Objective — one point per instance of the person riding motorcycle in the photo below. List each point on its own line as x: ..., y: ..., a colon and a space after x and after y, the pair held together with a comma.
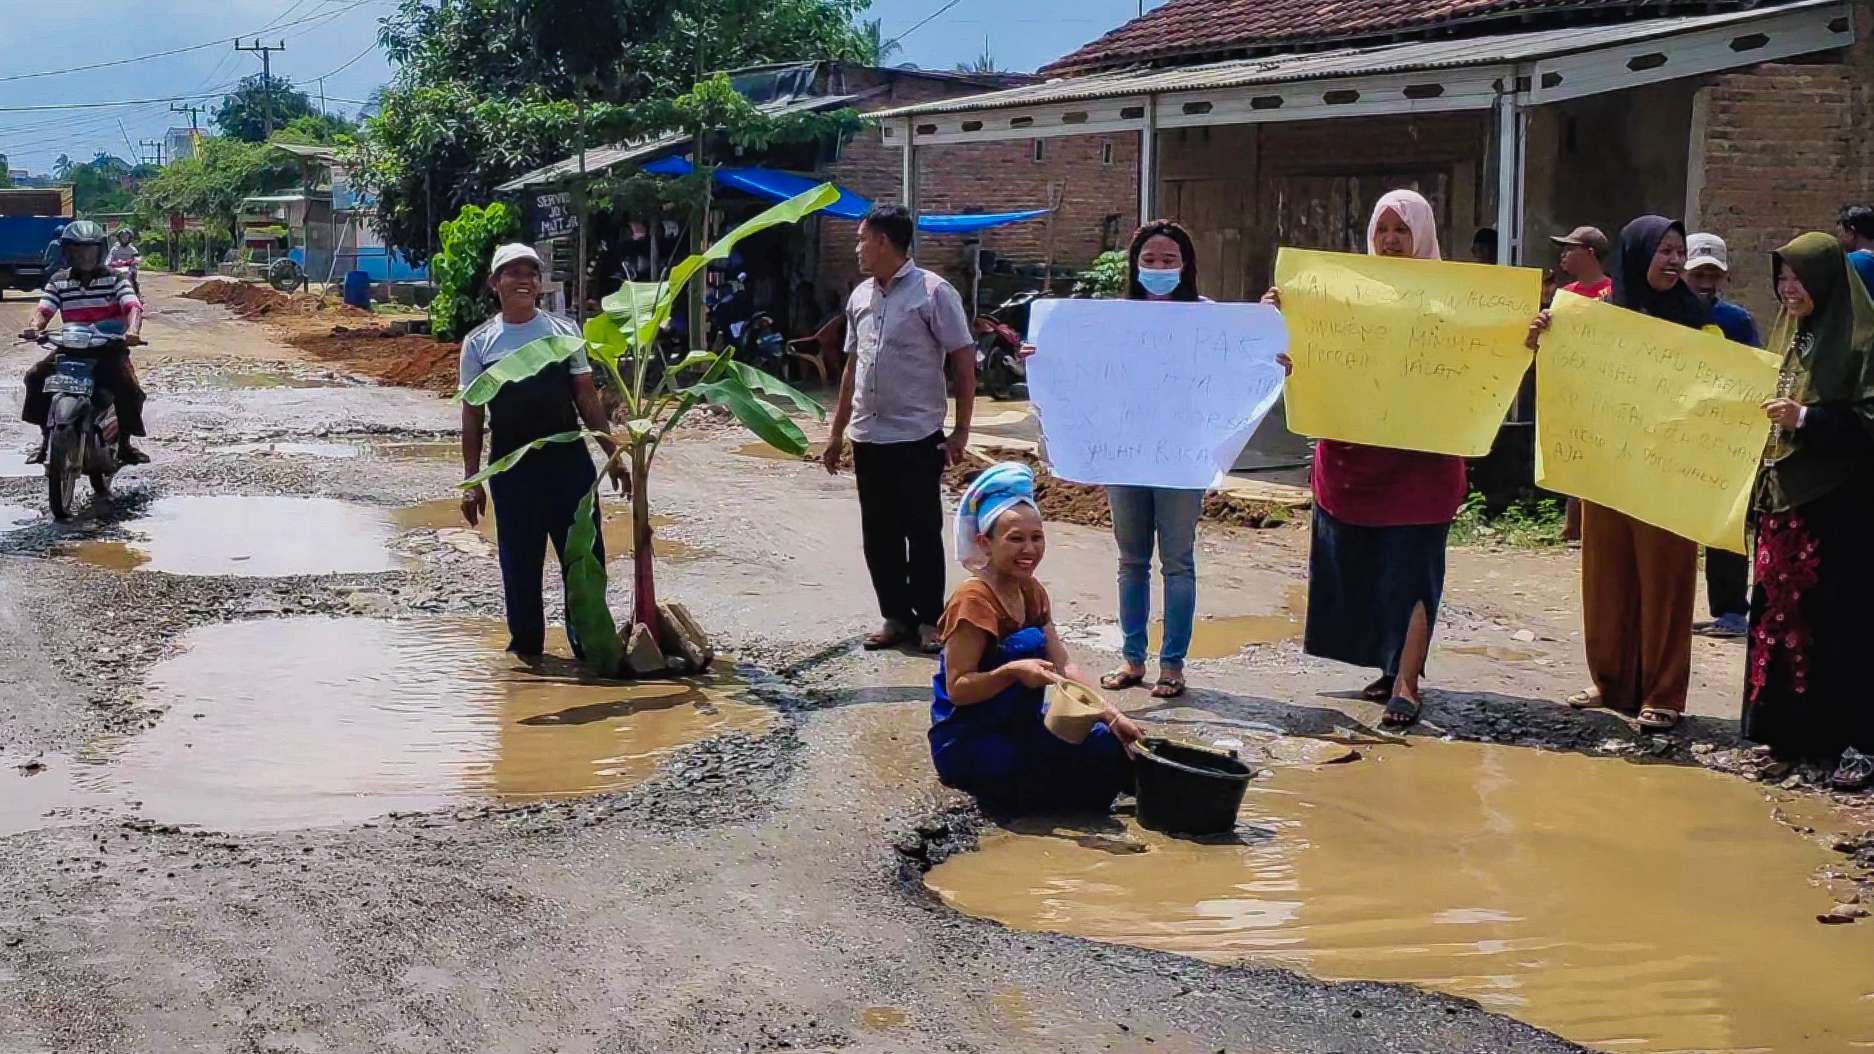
x: 89, y: 293
x: 125, y: 256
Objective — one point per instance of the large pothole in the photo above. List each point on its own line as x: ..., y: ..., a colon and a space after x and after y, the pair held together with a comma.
x: 1627, y: 907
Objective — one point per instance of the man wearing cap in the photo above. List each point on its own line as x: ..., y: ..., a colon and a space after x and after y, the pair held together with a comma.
x: 535, y: 500
x: 1727, y: 575
x: 1854, y: 228
x: 1583, y: 249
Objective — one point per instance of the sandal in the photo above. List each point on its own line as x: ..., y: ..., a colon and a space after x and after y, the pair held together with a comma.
x: 1168, y: 687
x: 1120, y: 680
x: 1854, y: 773
x: 892, y: 635
x: 1401, y: 713
x: 1380, y: 690
x: 1658, y: 719
x: 1588, y: 700
x: 929, y: 640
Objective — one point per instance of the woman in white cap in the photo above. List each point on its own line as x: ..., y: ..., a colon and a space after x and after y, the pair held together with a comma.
x: 1000, y: 654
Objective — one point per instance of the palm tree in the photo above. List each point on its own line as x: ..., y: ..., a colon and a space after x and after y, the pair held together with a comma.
x: 62, y: 168
x: 983, y: 63
x: 876, y: 48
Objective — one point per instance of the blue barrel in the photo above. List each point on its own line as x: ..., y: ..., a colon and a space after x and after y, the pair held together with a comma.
x: 358, y: 289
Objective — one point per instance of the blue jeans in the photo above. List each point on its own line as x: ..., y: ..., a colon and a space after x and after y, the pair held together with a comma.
x: 1171, y: 514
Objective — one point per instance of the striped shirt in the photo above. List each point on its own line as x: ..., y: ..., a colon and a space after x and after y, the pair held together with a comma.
x: 102, y: 300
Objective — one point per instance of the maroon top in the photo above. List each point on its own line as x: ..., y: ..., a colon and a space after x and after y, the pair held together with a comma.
x: 1376, y: 486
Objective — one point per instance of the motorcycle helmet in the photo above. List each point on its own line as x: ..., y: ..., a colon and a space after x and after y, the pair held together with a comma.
x: 82, y: 232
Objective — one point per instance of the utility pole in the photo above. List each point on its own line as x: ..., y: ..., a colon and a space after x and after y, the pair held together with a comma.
x: 152, y: 152
x: 265, y: 51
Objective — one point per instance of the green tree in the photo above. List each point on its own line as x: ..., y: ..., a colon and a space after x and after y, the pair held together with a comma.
x: 210, y: 184
x: 317, y: 129
x: 487, y: 89
x: 62, y: 168
x: 875, y: 48
x: 6, y: 179
x: 983, y: 63
x: 460, y: 270
x: 242, y: 113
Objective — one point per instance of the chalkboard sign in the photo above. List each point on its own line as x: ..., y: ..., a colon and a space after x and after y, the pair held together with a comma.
x: 552, y: 214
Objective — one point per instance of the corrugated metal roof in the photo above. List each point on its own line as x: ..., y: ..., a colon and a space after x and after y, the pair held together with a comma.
x: 1499, y: 49
x: 599, y: 159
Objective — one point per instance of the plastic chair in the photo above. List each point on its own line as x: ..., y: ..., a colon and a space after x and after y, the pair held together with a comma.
x: 823, y: 350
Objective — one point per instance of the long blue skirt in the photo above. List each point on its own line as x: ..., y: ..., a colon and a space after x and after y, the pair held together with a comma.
x: 999, y: 750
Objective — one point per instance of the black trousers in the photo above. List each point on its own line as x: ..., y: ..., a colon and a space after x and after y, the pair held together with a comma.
x: 113, y: 373
x: 534, y: 503
x: 901, y: 514
x: 1727, y: 582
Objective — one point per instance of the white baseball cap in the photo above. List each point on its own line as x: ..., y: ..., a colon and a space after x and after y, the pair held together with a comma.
x: 1707, y: 250
x: 512, y: 252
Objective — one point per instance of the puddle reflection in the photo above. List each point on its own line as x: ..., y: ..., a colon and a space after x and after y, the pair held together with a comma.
x: 249, y: 537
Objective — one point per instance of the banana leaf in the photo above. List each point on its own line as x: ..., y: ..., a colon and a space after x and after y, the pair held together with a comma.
x: 514, y: 458
x: 530, y: 359
x: 762, y: 418
x: 768, y: 384
x: 589, y: 618
x: 604, y: 340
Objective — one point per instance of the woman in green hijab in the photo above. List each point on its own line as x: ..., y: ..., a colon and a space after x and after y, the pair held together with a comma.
x: 1806, y: 694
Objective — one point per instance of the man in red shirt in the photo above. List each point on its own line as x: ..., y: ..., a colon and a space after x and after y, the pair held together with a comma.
x: 1583, y: 249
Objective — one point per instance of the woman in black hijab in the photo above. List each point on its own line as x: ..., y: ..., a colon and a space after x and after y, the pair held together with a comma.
x: 1806, y: 690
x: 1639, y: 583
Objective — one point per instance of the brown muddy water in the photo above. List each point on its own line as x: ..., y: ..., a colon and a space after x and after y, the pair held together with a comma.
x: 38, y: 791
x: 329, y: 451
x: 1626, y: 907
x: 303, y: 722
x: 1222, y: 637
x: 1498, y: 652
x: 767, y: 453
x: 614, y: 527
x: 249, y: 536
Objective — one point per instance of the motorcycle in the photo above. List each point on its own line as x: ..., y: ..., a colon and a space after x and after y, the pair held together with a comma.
x: 760, y: 343
x: 1000, y: 372
x: 82, y: 419
x: 127, y: 268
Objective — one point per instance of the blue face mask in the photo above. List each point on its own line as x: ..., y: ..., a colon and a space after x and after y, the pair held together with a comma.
x: 1160, y: 283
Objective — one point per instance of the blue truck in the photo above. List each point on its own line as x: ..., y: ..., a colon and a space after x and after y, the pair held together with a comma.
x: 29, y: 220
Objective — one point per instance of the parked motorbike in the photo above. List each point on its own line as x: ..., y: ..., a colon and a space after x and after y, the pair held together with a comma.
x: 761, y: 344
x: 1000, y: 372
x: 82, y: 418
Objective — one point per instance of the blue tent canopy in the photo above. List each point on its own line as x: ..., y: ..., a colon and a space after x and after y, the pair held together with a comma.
x: 780, y: 186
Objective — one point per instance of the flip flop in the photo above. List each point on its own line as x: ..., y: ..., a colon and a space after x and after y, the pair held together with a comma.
x: 1401, y: 713
x: 1658, y: 719
x: 1588, y: 700
x: 929, y: 641
x: 1120, y: 680
x: 1380, y: 690
x: 890, y: 637
x: 1168, y: 688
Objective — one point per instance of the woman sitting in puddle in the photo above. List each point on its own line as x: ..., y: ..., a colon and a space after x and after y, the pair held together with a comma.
x: 1000, y: 652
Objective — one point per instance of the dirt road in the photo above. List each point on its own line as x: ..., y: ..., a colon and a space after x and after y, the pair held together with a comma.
x: 759, y: 891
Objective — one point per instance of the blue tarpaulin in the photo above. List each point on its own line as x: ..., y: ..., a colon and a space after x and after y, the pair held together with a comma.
x: 780, y: 186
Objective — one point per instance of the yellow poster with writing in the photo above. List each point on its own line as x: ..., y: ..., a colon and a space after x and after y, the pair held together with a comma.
x: 1404, y: 353
x: 1661, y: 422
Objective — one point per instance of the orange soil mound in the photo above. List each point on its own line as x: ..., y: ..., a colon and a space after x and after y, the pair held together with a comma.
x: 304, y: 321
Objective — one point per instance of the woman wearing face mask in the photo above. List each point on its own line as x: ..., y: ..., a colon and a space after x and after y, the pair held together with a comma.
x: 1376, y: 564
x: 1000, y: 653
x: 1639, y: 584
x: 1805, y: 691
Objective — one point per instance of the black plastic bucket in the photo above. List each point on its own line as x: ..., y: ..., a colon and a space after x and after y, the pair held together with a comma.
x: 1188, y: 789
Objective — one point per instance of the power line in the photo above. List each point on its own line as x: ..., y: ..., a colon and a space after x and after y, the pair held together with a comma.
x: 56, y: 106
x: 926, y: 20
x: 348, y: 62
x: 328, y: 16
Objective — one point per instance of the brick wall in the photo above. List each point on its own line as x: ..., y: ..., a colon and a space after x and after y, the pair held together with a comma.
x: 1778, y: 149
x: 989, y: 177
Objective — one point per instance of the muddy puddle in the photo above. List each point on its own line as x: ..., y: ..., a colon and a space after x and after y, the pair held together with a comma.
x: 767, y: 453
x: 12, y: 516
x: 445, y: 514
x: 302, y: 722
x: 1220, y: 637
x: 328, y: 451
x: 1625, y: 907
x: 1499, y: 652
x: 38, y: 791
x: 249, y: 536
x: 13, y: 461
x: 417, y: 450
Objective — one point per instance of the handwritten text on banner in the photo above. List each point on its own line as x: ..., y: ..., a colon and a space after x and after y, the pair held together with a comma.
x: 1404, y: 353
x: 1151, y: 394
x: 1661, y: 422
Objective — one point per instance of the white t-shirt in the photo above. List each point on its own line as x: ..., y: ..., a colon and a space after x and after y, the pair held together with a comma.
x: 497, y: 338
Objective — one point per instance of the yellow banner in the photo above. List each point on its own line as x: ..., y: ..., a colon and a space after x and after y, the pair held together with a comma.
x: 1661, y: 422
x: 1403, y: 353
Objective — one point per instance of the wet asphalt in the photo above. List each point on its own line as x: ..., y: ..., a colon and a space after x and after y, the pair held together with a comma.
x: 760, y: 893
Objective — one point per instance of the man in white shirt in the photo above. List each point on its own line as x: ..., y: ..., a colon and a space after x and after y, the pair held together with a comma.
x: 535, y: 500
x: 905, y: 328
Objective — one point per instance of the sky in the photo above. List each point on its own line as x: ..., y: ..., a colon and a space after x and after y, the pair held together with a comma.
x: 335, y: 39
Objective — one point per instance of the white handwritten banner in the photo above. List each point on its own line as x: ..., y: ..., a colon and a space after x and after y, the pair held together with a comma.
x: 1152, y: 393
